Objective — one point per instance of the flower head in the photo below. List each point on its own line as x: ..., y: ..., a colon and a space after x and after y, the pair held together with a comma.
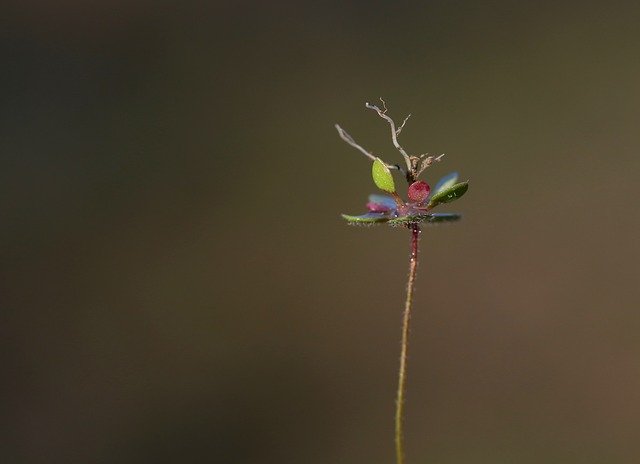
x: 417, y: 209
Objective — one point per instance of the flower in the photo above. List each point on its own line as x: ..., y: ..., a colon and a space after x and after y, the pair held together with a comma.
x: 394, y: 211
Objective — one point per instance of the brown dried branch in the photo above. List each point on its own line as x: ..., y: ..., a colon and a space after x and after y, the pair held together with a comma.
x: 394, y: 131
x: 347, y: 138
x: 424, y: 161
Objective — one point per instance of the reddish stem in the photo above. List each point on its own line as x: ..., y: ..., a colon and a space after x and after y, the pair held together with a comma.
x: 402, y: 374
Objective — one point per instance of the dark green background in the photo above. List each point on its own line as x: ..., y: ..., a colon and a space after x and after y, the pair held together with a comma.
x: 176, y: 284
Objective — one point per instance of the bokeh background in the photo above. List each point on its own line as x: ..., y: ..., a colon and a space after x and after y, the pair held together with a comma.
x: 177, y: 285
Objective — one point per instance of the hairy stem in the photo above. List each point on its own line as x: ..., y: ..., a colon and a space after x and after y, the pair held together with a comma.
x: 402, y: 374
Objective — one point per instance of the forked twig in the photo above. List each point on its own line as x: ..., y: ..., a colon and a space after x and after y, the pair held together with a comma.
x: 415, y: 164
x: 394, y: 131
x: 402, y: 125
x: 426, y: 161
x: 347, y: 138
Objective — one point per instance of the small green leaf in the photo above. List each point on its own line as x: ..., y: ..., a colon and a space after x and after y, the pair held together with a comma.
x: 444, y: 217
x: 449, y: 194
x: 382, y: 176
x: 424, y: 218
x: 366, y: 219
x: 446, y: 182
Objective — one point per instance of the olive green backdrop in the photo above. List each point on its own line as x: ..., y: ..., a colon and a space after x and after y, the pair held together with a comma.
x: 176, y: 284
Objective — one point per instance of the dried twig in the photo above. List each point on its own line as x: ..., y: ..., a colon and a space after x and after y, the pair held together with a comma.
x: 403, y: 123
x: 394, y: 131
x: 347, y: 138
x: 426, y: 161
x: 415, y: 164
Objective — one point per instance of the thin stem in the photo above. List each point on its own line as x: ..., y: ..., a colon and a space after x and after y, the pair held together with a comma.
x: 402, y: 374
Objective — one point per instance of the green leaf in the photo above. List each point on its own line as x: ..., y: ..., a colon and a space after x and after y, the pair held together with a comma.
x: 444, y: 217
x: 449, y: 194
x: 366, y: 219
x: 424, y: 218
x: 382, y: 176
x: 446, y: 182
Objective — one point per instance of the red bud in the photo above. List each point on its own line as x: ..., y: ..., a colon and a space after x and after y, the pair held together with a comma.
x: 419, y: 191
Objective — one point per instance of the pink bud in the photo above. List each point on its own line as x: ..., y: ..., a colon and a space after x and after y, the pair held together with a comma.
x: 419, y: 191
x: 377, y: 207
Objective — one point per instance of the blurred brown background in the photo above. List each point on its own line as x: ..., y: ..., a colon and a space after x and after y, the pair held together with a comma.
x: 177, y: 286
